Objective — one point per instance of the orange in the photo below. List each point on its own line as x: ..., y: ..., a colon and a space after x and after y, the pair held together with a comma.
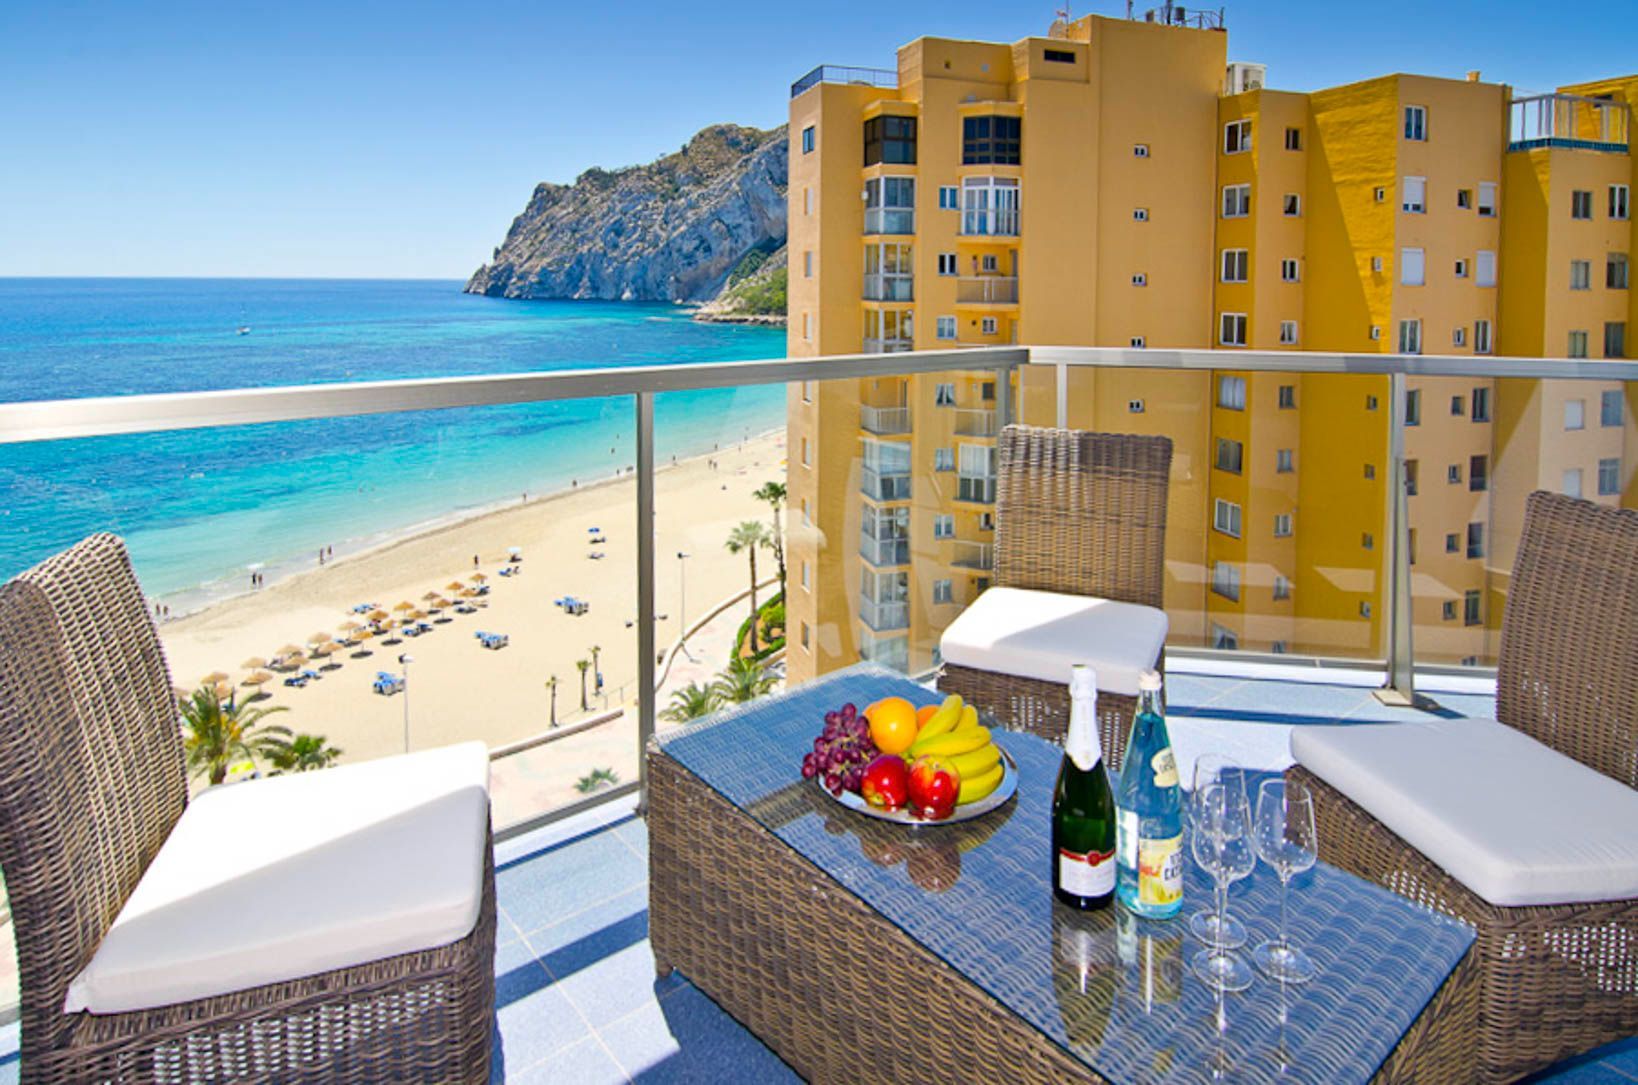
x: 893, y: 724
x: 925, y: 713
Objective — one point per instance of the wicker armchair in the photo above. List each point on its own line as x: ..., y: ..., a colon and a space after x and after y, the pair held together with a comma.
x: 1079, y: 514
x: 1556, y: 980
x: 91, y: 784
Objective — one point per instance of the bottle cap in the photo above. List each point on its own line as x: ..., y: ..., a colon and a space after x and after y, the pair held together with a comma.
x: 1083, y: 681
x: 1149, y: 681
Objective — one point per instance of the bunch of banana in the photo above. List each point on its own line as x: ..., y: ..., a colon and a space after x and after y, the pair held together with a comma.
x: 953, y: 733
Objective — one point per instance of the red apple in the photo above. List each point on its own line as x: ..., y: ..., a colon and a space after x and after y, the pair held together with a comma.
x: 886, y: 782
x: 934, y: 787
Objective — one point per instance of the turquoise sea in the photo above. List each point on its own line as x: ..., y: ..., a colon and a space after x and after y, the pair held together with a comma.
x: 202, y: 509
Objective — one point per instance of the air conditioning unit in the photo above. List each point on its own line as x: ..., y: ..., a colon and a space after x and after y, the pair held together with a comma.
x: 1243, y: 77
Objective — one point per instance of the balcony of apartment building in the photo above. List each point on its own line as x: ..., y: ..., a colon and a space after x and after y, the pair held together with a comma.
x: 993, y: 289
x: 890, y: 206
x: 971, y: 554
x: 975, y: 421
x: 1568, y: 121
x: 884, y: 421
x: 841, y: 73
x: 884, y: 536
x: 590, y: 967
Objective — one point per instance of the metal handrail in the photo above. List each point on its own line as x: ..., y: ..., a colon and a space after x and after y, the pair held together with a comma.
x: 834, y: 73
x: 886, y: 421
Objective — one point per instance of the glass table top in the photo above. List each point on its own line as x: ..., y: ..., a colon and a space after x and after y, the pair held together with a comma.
x: 1114, y: 991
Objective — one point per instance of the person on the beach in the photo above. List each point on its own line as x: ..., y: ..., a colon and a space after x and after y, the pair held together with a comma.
x: 474, y: 561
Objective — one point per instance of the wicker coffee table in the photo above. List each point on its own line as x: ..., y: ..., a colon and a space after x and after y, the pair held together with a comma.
x: 856, y: 948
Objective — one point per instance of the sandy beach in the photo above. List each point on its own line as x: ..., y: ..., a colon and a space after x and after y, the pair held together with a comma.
x: 457, y: 689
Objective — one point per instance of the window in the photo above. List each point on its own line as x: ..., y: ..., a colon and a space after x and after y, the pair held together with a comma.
x: 943, y: 592
x: 944, y: 459
x: 807, y: 201
x: 1226, y: 518
x: 989, y: 263
x: 1481, y: 337
x: 1481, y: 404
x: 1571, y: 483
x: 1580, y: 274
x: 1058, y: 56
x: 1367, y: 541
x: 1485, y: 268
x: 1282, y: 587
x: 1453, y: 474
x: 807, y: 390
x: 1453, y: 543
x: 1575, y: 414
x: 1228, y: 455
x: 807, y: 140
x: 1140, y: 279
x: 1292, y: 204
x: 807, y: 326
x: 1578, y: 345
x: 891, y: 140
x: 806, y: 583
x: 1236, y: 265
x: 1293, y: 139
x: 1416, y: 123
x: 1615, y: 339
x: 1449, y: 610
x: 1487, y: 198
x: 1464, y: 198
x: 1140, y: 214
x: 1415, y: 195
x: 989, y: 206
x: 1225, y: 580
x: 1370, y: 403
x: 1138, y: 342
x: 807, y: 264
x: 1475, y: 540
x: 1236, y: 201
x: 1231, y: 393
x: 1620, y: 201
x: 1412, y: 267
x: 805, y: 462
x: 1232, y: 332
x: 1283, y: 461
x: 807, y: 514
x: 947, y: 263
x: 949, y: 198
x: 805, y: 636
x: 1288, y: 271
x: 944, y: 393
x: 1364, y: 609
x: 1288, y: 396
x: 1580, y: 204
x: 1413, y: 473
x: 1471, y: 602
x: 1615, y: 271
x: 1410, y: 337
x: 991, y: 140
x: 1380, y: 194
x: 1370, y: 471
x: 1282, y: 525
x: 1236, y: 137
x: 1134, y: 406
x: 1458, y: 337
x: 890, y: 205
x: 1413, y: 407
x: 1461, y: 269
x: 1288, y: 332
x: 1458, y: 406
x: 945, y: 327
x: 988, y: 325
x: 1609, y: 477
x: 1140, y: 150
x: 986, y: 521
x: 1223, y: 638
x: 1609, y: 408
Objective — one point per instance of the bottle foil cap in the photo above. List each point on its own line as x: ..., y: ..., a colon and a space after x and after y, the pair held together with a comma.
x: 1083, y: 681
x: 1149, y: 680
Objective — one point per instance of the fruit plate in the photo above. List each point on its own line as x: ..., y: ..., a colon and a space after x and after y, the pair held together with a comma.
x: 965, y: 812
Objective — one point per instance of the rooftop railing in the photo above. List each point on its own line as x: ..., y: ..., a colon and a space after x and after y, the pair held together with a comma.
x: 1570, y: 121
x: 833, y: 73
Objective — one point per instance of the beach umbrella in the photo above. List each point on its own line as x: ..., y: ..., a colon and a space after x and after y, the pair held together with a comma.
x: 429, y: 597
x: 417, y: 615
x: 405, y: 605
x: 318, y: 638
x: 454, y: 585
x: 214, y: 678
x: 440, y: 602
x: 364, y: 634
x: 288, y: 650
x: 515, y: 551
x: 350, y: 627
x: 467, y: 593
x: 254, y: 663
x: 478, y: 578
x: 258, y: 678
x: 378, y: 615
x: 223, y: 691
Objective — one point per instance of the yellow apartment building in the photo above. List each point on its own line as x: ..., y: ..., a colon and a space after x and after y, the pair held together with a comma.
x: 1119, y: 183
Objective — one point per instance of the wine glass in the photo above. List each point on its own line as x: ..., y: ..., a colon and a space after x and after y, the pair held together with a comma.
x: 1285, y: 838
x: 1220, y: 838
x: 1214, y: 926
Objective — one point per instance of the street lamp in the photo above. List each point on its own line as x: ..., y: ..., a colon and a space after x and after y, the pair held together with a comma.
x: 682, y: 603
x: 404, y: 661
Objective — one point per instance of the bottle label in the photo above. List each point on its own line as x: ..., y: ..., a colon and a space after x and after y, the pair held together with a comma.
x: 1086, y: 874
x: 1160, y: 870
x: 1165, y: 766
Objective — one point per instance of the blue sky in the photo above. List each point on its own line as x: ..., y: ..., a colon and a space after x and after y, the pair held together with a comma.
x: 399, y: 139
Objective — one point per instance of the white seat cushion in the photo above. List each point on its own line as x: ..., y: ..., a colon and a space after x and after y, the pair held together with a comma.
x: 291, y: 876
x: 1515, y: 821
x: 1042, y: 634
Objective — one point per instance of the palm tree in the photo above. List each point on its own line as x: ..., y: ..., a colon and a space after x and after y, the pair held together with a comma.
x: 744, y: 680
x: 693, y: 701
x: 596, y: 669
x: 304, y: 753
x: 774, y: 494
x: 749, y: 536
x: 551, y: 686
x: 217, y: 734
x: 583, y: 664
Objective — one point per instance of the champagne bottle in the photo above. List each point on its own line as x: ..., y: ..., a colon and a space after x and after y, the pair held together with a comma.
x: 1083, y: 808
x: 1151, y: 813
